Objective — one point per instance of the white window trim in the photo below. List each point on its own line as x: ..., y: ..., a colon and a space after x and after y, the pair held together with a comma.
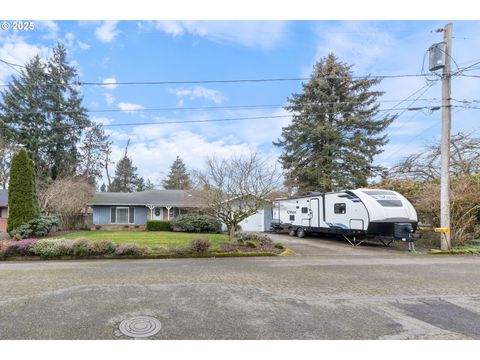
x: 116, y: 214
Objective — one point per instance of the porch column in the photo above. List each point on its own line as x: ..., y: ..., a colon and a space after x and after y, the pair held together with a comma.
x: 151, y: 207
x: 168, y: 212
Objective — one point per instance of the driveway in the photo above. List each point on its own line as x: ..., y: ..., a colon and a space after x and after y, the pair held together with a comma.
x: 327, y: 291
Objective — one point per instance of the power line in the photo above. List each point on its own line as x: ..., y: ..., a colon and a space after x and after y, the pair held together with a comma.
x: 226, y: 81
x: 215, y: 120
x: 213, y: 108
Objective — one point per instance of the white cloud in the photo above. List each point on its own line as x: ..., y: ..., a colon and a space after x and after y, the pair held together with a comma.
x: 263, y: 34
x: 126, y: 106
x: 15, y: 50
x: 109, y: 98
x: 199, y: 92
x: 107, y: 32
x: 50, y: 27
x: 110, y: 83
x: 83, y: 46
x: 191, y: 147
x: 102, y: 120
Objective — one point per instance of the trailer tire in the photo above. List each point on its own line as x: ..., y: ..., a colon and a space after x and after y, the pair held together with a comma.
x: 300, y: 233
x: 292, y: 231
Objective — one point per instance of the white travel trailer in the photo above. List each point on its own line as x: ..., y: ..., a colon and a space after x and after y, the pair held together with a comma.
x: 355, y: 214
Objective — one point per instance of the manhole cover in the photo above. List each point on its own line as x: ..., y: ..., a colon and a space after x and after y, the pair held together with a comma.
x: 140, y: 326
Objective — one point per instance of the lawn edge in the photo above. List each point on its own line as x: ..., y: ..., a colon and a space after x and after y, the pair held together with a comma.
x: 148, y: 256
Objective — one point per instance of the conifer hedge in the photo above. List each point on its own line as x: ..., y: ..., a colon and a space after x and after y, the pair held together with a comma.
x: 22, y: 194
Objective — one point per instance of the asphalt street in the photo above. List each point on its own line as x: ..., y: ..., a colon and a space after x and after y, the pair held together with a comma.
x: 328, y: 290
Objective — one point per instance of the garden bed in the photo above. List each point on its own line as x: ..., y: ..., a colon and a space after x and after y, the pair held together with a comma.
x: 192, y: 246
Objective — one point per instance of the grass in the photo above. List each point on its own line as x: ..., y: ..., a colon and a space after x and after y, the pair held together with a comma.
x: 466, y: 249
x: 164, y: 239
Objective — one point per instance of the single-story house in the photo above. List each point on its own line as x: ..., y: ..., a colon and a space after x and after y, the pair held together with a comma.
x: 3, y: 209
x: 115, y: 210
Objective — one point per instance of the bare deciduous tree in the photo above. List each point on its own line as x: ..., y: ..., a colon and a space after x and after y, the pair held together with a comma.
x: 464, y: 206
x: 66, y: 198
x: 425, y: 166
x: 237, y: 188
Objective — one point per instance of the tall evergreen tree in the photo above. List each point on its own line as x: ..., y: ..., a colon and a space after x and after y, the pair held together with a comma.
x: 335, y: 131
x: 178, y: 177
x: 126, y: 178
x: 22, y: 194
x: 42, y: 110
x: 92, y: 153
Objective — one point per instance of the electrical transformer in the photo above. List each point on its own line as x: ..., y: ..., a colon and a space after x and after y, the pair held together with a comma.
x: 437, y: 56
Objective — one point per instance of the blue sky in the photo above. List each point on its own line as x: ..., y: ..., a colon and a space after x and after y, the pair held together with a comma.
x: 200, y: 50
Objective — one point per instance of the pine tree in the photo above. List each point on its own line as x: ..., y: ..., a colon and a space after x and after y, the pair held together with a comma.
x: 92, y: 153
x: 178, y: 177
x: 143, y: 185
x: 42, y: 110
x: 103, y: 188
x: 335, y: 132
x: 126, y: 178
x: 22, y: 194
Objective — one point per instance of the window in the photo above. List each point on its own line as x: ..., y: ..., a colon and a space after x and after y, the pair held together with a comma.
x: 304, y: 210
x: 122, y: 215
x: 390, y: 203
x: 113, y: 215
x: 292, y: 217
x: 131, y: 215
x: 340, y: 208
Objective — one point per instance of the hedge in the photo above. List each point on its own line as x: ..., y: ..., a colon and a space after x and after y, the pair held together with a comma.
x: 196, y: 223
x: 22, y: 196
x: 158, y: 225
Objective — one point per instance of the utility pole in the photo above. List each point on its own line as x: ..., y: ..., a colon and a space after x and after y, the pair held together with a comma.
x: 445, y: 243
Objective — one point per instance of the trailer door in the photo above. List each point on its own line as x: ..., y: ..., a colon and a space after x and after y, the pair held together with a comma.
x: 314, y: 212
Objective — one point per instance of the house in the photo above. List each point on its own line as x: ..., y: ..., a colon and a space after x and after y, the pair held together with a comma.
x: 3, y: 209
x: 115, y: 210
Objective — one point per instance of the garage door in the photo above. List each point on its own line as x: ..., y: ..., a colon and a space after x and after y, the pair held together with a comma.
x: 254, y: 222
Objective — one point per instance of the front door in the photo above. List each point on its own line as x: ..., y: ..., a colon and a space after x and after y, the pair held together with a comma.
x: 157, y: 213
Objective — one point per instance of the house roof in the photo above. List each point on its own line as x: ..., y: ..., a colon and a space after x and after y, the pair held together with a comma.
x: 186, y: 198
x: 3, y: 197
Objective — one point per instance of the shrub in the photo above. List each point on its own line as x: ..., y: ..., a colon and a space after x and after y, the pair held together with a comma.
x: 200, y: 245
x: 158, y: 225
x: 251, y: 244
x: 279, y: 246
x: 22, y: 197
x: 82, y: 247
x: 130, y: 249
x: 102, y: 247
x: 261, y: 239
x: 37, y: 227
x: 20, y: 248
x: 52, y: 247
x: 196, y: 223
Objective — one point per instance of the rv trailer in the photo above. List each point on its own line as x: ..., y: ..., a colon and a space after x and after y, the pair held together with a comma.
x: 356, y: 215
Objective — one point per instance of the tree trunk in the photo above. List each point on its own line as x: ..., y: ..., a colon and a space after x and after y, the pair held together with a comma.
x: 231, y: 235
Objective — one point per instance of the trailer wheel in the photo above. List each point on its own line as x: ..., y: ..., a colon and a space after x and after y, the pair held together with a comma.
x: 300, y: 233
x: 292, y: 231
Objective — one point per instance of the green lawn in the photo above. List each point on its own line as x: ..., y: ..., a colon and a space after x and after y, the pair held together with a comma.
x: 165, y: 239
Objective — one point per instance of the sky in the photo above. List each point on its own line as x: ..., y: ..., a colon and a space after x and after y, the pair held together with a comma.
x: 142, y: 51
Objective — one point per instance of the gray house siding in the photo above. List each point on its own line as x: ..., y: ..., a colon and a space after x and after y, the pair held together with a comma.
x: 101, y: 215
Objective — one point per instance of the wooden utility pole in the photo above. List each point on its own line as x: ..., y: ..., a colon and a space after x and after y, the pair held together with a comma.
x: 445, y: 243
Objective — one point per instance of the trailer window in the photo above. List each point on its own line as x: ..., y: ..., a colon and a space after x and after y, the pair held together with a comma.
x: 304, y: 210
x: 292, y: 217
x: 390, y: 203
x: 340, y: 208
